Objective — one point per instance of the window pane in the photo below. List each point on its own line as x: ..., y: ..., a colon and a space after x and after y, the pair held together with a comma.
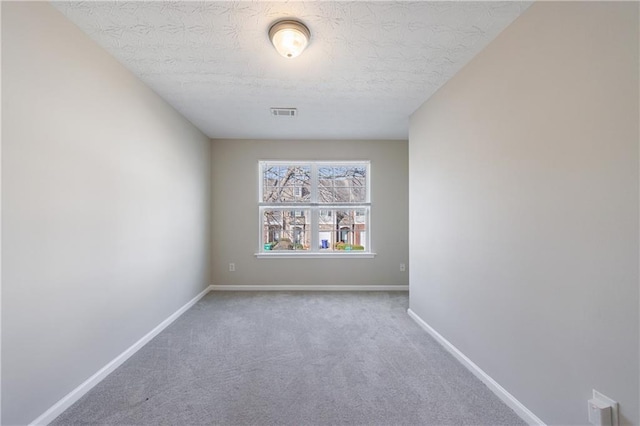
x: 325, y: 172
x: 342, y: 184
x: 325, y: 192
x: 340, y: 173
x: 358, y: 184
x: 325, y: 184
x: 286, y: 229
x: 358, y: 194
x: 286, y: 184
x: 326, y: 230
x: 342, y: 230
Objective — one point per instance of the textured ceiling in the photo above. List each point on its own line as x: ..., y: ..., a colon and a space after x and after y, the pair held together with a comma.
x: 369, y: 65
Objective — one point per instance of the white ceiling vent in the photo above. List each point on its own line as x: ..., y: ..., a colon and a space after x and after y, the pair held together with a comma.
x: 284, y: 112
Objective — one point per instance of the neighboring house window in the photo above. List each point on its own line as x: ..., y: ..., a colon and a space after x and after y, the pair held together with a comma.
x: 314, y: 206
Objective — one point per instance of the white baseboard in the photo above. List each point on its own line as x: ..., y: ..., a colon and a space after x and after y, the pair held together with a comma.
x: 309, y: 287
x: 68, y: 400
x: 522, y: 411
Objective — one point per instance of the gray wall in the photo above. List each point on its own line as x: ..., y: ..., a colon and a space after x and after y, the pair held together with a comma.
x: 524, y: 209
x: 106, y: 209
x: 235, y: 214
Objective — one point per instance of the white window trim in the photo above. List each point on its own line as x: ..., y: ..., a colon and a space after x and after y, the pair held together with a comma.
x: 314, y: 206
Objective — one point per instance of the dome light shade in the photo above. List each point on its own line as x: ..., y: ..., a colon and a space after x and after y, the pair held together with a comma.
x: 289, y: 37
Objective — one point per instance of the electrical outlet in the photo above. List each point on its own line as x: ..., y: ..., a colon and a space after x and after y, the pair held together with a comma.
x: 232, y: 267
x: 402, y: 267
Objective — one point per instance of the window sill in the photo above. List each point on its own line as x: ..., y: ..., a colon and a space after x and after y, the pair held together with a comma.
x: 316, y: 255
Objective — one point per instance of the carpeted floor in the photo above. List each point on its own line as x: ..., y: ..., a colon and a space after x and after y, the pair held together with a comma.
x: 292, y: 358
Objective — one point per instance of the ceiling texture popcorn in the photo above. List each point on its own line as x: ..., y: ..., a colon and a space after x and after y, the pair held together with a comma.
x: 367, y: 67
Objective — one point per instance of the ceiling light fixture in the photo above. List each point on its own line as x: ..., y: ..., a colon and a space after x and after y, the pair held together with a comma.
x: 289, y: 37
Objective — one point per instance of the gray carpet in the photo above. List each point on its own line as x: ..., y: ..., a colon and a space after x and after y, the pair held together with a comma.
x: 292, y: 358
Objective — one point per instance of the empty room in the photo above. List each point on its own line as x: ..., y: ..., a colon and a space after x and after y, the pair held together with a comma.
x: 320, y: 213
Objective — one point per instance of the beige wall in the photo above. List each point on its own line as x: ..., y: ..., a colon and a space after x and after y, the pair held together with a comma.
x: 106, y: 209
x: 524, y: 209
x: 235, y: 214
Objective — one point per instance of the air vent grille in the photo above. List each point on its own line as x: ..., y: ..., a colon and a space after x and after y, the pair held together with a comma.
x: 284, y: 112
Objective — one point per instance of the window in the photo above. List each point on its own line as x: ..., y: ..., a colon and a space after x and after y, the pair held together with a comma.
x: 314, y: 207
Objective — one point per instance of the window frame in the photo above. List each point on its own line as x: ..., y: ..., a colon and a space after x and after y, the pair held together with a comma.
x: 314, y: 206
